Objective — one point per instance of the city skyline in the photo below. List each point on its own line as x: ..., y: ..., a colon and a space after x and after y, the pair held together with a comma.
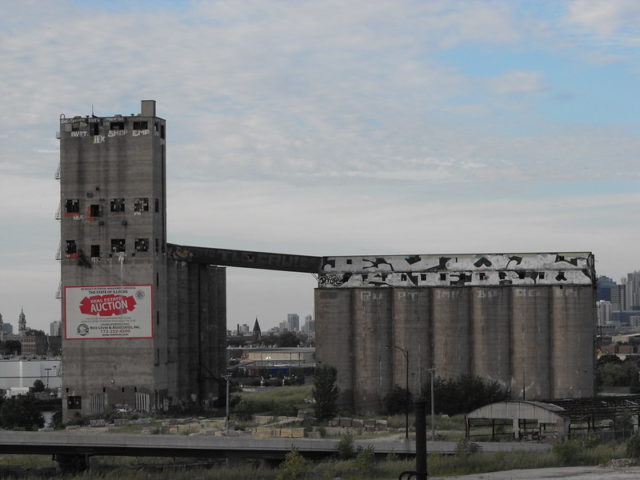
x: 324, y: 128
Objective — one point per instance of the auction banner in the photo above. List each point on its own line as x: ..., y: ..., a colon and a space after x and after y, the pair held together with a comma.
x: 108, y: 312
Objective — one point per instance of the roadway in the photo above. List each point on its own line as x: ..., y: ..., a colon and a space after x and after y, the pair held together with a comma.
x: 92, y: 444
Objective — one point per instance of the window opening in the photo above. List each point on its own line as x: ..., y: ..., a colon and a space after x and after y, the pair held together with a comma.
x: 117, y: 205
x: 72, y: 205
x: 541, y: 275
x: 142, y: 244
x: 157, y: 205
x: 157, y: 318
x: 95, y: 129
x: 161, y: 131
x: 141, y: 205
x: 71, y: 247
x: 482, y: 275
x: 443, y: 276
x: 95, y: 251
x: 116, y: 126
x: 94, y: 210
x: 117, y: 245
x: 141, y: 125
x: 157, y: 246
x: 74, y: 402
x: 423, y: 276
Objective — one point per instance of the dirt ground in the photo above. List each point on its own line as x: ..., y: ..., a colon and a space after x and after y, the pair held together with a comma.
x: 573, y: 473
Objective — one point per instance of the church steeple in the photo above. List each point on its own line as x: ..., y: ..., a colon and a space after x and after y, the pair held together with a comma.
x: 257, y: 333
x: 22, y: 322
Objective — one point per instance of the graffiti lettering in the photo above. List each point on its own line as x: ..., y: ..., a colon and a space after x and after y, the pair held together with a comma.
x: 79, y: 134
x: 137, y: 133
x: 117, y: 133
x: 98, y: 139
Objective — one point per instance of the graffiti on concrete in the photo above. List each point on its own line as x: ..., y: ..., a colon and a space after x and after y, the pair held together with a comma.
x: 457, y: 270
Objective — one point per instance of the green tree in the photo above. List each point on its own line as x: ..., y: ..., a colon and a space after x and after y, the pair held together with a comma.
x: 398, y: 400
x: 463, y: 394
x: 38, y: 386
x: 325, y: 392
x: 20, y: 413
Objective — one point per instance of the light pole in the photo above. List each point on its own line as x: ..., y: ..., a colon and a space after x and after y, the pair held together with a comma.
x: 226, y: 421
x: 432, y: 371
x: 405, y: 352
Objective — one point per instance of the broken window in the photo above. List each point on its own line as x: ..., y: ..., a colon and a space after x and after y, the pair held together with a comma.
x: 94, y: 128
x: 443, y: 276
x: 116, y: 126
x: 423, y: 276
x: 117, y: 245
x: 95, y: 251
x: 142, y: 244
x: 161, y: 131
x: 117, y: 205
x: 71, y: 248
x: 157, y: 245
x: 74, y: 402
x: 349, y: 261
x: 141, y: 205
x: 140, y: 125
x: 157, y: 205
x: 482, y: 276
x: 72, y: 205
x: 541, y: 275
x: 403, y: 277
x: 94, y: 210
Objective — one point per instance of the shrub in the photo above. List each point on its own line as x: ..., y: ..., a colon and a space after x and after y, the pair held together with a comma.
x: 294, y: 466
x: 466, y: 447
x: 398, y: 400
x: 569, y: 453
x: 463, y: 394
x: 366, y: 461
x: 346, y: 450
x: 20, y: 413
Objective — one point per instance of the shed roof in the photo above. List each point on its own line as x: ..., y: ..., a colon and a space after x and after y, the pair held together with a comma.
x: 551, y: 411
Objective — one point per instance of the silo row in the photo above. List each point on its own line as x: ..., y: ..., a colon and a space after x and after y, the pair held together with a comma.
x: 535, y: 341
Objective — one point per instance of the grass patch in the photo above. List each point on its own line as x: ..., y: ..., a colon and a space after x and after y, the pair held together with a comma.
x: 293, y: 394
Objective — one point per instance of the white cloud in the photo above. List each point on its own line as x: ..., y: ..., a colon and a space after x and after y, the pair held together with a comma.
x: 604, y: 18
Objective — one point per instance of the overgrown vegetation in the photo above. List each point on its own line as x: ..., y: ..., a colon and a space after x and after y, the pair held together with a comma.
x: 398, y: 400
x: 20, y: 413
x: 613, y: 372
x: 325, y: 392
x: 463, y: 394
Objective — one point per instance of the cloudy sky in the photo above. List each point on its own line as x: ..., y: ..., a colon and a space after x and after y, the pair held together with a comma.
x: 334, y: 127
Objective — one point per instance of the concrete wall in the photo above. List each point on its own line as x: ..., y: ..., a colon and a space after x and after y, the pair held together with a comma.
x: 536, y: 341
x: 103, y: 159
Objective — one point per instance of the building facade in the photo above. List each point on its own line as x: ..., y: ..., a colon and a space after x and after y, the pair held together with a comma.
x: 526, y: 321
x: 122, y: 342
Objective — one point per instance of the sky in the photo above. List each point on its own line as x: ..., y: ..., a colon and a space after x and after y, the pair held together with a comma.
x: 333, y: 128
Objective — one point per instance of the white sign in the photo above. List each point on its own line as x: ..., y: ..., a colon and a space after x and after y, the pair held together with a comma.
x: 108, y: 312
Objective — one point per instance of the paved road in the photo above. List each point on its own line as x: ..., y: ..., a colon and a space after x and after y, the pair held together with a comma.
x: 91, y: 443
x: 573, y: 473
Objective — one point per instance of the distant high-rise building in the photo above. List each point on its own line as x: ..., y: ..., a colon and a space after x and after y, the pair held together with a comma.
x: 309, y: 326
x: 293, y: 322
x: 604, y: 312
x: 633, y: 291
x: 22, y: 322
x: 604, y: 286
x: 618, y: 298
x: 283, y: 326
x: 54, y: 328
